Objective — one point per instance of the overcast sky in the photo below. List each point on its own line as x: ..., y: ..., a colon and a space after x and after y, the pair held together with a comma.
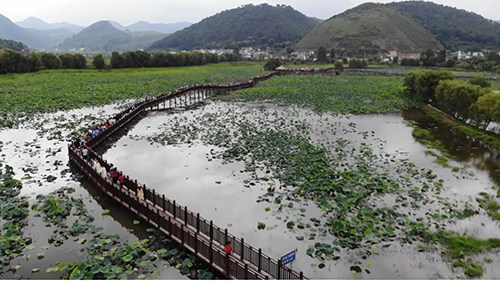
x: 86, y: 12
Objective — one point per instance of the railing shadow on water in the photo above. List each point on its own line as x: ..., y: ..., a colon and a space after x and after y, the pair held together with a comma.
x: 123, y: 217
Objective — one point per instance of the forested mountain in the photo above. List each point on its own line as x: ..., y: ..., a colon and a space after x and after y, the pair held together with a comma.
x: 36, y: 23
x: 244, y: 26
x: 454, y: 28
x: 11, y: 44
x: 167, y: 28
x: 104, y: 37
x: 30, y: 37
x: 370, y: 28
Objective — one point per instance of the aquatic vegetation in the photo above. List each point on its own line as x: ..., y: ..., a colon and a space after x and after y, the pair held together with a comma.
x: 349, y: 180
x: 489, y: 204
x: 107, y: 256
x: 332, y: 94
x: 14, y: 213
x: 426, y: 138
x: 48, y: 91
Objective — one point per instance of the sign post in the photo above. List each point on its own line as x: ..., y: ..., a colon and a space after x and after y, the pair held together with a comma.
x: 289, y: 258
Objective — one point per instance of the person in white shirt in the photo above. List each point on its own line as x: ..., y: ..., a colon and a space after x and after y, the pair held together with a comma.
x: 85, y: 153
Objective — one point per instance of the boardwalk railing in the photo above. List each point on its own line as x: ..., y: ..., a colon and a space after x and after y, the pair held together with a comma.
x: 195, y: 233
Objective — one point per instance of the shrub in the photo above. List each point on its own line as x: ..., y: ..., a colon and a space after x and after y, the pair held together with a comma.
x: 480, y: 81
x: 339, y: 66
x: 272, y: 64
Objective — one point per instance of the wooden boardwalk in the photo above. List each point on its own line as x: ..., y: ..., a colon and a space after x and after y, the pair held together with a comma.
x: 196, y: 234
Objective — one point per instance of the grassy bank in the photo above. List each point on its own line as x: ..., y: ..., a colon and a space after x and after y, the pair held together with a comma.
x: 489, y: 138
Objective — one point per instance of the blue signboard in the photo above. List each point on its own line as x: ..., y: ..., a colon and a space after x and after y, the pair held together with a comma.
x: 288, y: 258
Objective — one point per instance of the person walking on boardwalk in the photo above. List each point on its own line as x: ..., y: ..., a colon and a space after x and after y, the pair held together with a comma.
x: 228, y: 248
x: 140, y: 192
x: 121, y: 180
x: 114, y: 175
x: 85, y: 153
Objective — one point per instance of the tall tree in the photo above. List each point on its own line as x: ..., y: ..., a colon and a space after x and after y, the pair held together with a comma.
x: 321, y: 54
x: 99, y: 62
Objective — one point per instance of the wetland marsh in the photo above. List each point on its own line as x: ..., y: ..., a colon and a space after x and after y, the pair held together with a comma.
x: 383, y: 194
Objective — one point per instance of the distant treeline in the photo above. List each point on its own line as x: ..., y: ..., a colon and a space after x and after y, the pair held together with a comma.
x: 135, y: 59
x: 11, y: 44
x: 15, y: 62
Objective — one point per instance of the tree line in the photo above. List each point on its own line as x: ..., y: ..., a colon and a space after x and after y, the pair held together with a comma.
x: 472, y: 102
x: 15, y: 62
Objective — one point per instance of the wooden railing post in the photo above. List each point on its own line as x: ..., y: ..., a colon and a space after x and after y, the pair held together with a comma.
x: 185, y: 215
x: 301, y: 275
x: 210, y: 256
x: 157, y: 218
x: 174, y: 210
x: 211, y: 231
x: 246, y: 271
x: 279, y: 269
x: 169, y: 225
x: 154, y: 198
x: 182, y: 234
x: 196, y: 243
x: 260, y: 259
x: 242, y: 252
x: 164, y: 202
x: 198, y: 223
x: 225, y: 236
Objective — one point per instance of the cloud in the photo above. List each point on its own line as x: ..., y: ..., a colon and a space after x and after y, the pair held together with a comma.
x: 167, y: 11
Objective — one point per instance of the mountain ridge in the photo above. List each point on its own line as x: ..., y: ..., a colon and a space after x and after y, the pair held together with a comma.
x: 104, y: 36
x: 37, y: 23
x: 249, y: 24
x: 455, y: 28
x: 31, y: 38
x: 371, y: 28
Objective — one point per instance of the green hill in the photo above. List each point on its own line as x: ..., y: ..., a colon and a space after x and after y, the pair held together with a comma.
x: 454, y: 28
x: 11, y: 44
x: 104, y: 37
x: 248, y: 25
x: 370, y: 28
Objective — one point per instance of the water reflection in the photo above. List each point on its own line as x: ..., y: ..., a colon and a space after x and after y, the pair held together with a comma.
x: 188, y: 174
x: 463, y: 147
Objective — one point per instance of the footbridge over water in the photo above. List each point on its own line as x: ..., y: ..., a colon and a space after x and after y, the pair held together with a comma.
x: 198, y: 235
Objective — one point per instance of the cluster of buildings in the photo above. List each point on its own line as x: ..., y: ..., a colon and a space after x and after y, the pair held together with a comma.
x: 463, y: 56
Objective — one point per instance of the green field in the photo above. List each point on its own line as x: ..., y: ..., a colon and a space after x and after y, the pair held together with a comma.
x: 333, y: 94
x: 50, y: 91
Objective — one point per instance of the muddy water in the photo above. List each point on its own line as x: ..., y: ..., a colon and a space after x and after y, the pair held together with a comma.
x: 38, y: 149
x: 188, y: 174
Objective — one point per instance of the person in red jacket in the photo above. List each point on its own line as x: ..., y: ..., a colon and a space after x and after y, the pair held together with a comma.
x: 114, y: 175
x: 228, y: 248
x: 121, y: 180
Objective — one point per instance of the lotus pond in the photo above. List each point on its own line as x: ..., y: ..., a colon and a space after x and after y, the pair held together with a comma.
x: 56, y: 224
x: 363, y: 196
x: 359, y: 196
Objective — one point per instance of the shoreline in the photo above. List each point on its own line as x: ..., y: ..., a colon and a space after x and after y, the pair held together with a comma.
x: 489, y: 138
